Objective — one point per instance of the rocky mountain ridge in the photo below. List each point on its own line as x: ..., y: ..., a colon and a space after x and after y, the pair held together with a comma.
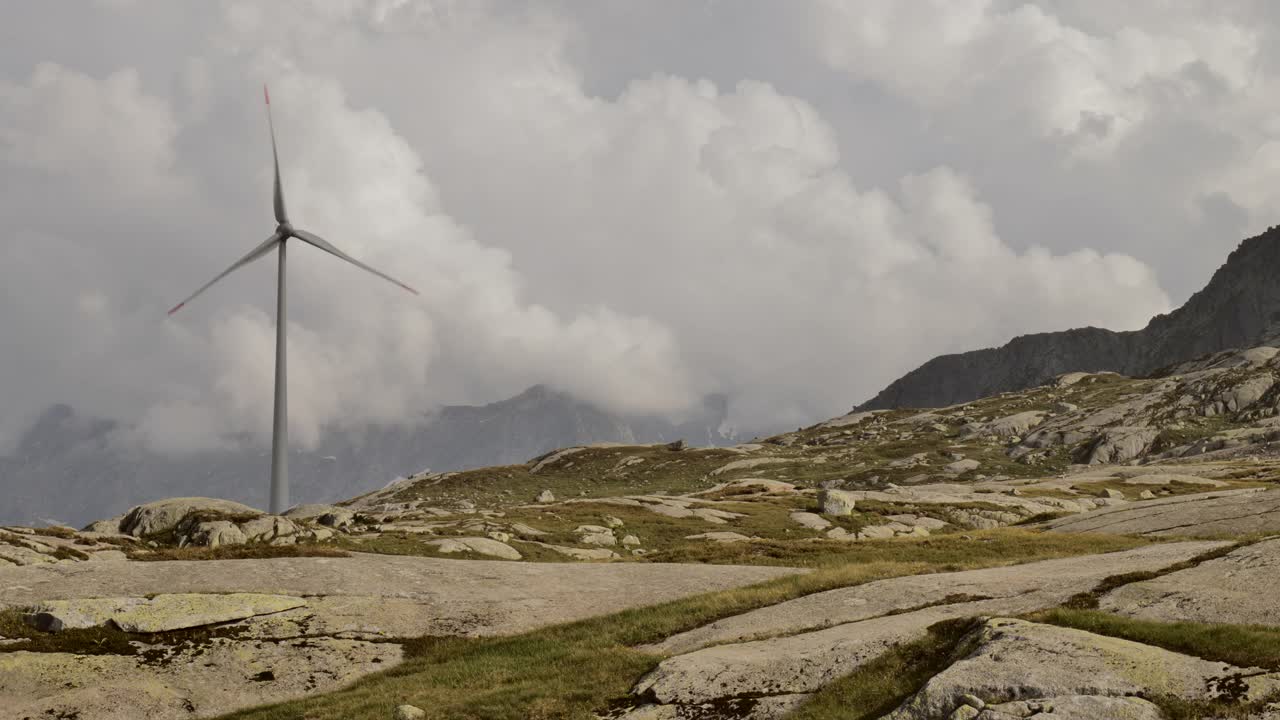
x: 1240, y: 307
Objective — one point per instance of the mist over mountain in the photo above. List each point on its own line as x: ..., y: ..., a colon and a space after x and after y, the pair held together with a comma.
x: 1240, y: 307
x: 73, y: 468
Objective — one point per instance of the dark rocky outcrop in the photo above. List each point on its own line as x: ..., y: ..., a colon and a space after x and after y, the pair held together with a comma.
x: 1240, y: 307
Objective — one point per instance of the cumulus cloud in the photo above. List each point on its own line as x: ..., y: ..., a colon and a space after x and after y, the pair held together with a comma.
x: 106, y: 135
x: 1025, y: 66
x: 674, y: 236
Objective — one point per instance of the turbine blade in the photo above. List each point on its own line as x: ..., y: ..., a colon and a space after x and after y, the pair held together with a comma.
x: 323, y: 244
x: 278, y: 198
x: 267, y: 246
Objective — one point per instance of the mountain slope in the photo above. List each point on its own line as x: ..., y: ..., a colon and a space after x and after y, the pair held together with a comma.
x: 73, y: 469
x: 1236, y: 309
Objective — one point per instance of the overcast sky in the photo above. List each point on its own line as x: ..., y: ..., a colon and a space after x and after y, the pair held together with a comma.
x: 640, y: 202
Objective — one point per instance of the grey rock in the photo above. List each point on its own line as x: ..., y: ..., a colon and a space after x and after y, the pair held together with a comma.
x: 478, y: 545
x: 58, y: 615
x: 525, y: 531
x: 1121, y: 444
x: 1016, y: 658
x: 962, y: 466
x: 157, y: 614
x: 720, y: 537
x: 268, y: 529
x: 1016, y: 424
x: 800, y: 645
x: 216, y: 533
x: 409, y: 712
x: 1239, y: 588
x: 837, y: 502
x: 1075, y: 707
x: 413, y: 596
x: 580, y: 553
x: 813, y: 521
x: 214, y: 678
x: 165, y: 515
x: 1213, y: 514
x: 748, y: 464
x: 106, y: 527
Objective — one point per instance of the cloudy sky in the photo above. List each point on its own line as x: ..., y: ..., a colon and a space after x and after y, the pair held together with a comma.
x: 640, y: 202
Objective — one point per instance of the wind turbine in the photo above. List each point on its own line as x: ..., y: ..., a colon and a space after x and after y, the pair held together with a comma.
x: 278, y: 240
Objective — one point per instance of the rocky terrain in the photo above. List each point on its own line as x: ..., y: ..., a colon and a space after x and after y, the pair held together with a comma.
x: 1096, y: 546
x: 1238, y: 308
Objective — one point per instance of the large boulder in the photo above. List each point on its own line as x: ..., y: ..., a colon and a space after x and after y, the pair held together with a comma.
x: 837, y: 502
x: 1121, y: 444
x: 164, y: 516
x: 959, y: 467
x: 271, y: 529
x: 215, y: 533
x: 1017, y: 424
x: 478, y: 545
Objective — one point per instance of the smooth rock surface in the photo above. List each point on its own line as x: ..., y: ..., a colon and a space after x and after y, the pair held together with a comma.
x: 197, y: 681
x: 463, y: 597
x: 873, y: 599
x: 815, y: 639
x: 1074, y: 707
x: 1214, y: 514
x: 482, y: 546
x: 186, y: 610
x: 1239, y: 588
x: 59, y: 615
x: 813, y: 521
x: 1018, y: 659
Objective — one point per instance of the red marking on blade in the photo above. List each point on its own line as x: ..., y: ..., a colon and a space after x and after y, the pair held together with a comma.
x: 176, y: 308
x: 266, y: 95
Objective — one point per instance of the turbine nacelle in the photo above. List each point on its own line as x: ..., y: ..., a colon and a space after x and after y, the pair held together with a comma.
x: 285, y: 229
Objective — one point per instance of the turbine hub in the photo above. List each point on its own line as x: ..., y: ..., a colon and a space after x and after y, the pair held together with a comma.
x: 285, y: 229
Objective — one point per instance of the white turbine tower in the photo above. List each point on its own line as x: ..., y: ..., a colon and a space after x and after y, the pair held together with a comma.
x: 284, y: 232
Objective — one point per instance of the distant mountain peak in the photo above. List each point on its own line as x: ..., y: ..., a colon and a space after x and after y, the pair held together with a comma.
x: 65, y: 465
